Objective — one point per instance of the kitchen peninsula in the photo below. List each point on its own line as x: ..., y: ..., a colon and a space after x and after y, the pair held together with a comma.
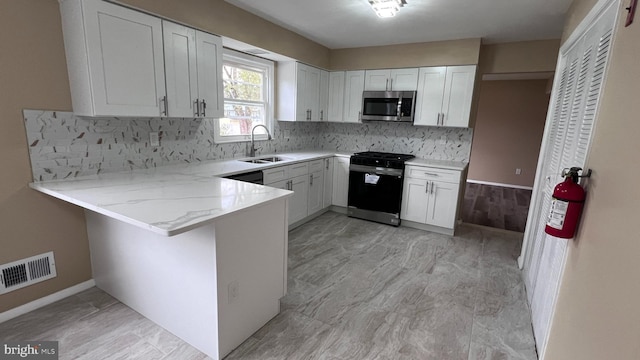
x: 202, y: 256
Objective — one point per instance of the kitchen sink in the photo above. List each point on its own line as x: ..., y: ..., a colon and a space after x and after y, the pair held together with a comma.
x: 265, y: 160
x: 273, y: 159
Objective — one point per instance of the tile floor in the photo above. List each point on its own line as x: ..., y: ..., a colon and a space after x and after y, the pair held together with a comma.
x: 357, y: 290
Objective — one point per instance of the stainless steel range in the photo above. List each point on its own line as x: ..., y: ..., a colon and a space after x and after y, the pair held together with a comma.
x: 375, y: 186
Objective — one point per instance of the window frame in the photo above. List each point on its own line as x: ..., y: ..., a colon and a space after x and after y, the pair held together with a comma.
x: 250, y: 61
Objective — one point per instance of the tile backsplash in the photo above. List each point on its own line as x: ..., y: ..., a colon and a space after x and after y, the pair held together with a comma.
x: 62, y: 145
x: 426, y: 142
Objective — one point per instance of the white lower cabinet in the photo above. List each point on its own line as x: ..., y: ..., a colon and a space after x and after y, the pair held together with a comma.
x: 308, y: 181
x: 328, y: 183
x: 340, y: 181
x: 299, y: 202
x: 430, y: 196
x: 316, y: 188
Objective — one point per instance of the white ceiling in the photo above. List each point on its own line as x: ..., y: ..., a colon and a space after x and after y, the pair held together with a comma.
x: 352, y: 23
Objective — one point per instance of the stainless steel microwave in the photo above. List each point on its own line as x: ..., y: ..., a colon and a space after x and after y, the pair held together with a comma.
x: 388, y: 106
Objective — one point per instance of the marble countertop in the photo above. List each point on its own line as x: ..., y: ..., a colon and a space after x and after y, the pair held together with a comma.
x: 441, y: 164
x: 173, y: 199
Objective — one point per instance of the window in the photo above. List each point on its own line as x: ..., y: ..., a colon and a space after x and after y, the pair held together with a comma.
x: 248, y: 97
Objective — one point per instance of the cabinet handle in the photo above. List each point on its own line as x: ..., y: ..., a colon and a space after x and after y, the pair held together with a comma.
x: 391, y: 87
x: 291, y: 185
x: 431, y: 174
x: 386, y: 85
x: 163, y: 105
x: 204, y: 108
x: 432, y: 186
x: 321, y: 115
x: 196, y: 108
x: 311, y: 179
x: 426, y: 189
x: 326, y: 163
x: 360, y: 116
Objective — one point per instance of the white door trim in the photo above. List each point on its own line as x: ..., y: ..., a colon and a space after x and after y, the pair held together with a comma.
x: 595, y: 12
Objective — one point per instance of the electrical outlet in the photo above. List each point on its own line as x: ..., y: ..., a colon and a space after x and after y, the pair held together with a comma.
x: 234, y: 291
x: 154, y: 138
x: 518, y: 171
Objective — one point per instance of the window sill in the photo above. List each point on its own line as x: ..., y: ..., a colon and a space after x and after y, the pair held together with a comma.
x: 223, y: 140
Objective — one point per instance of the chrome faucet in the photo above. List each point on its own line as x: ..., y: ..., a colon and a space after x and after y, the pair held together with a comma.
x: 252, y: 151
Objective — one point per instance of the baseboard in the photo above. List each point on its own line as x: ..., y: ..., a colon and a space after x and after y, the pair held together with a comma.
x: 499, y: 184
x: 44, y: 301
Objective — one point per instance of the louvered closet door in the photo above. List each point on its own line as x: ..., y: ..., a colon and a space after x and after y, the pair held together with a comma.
x: 572, y: 113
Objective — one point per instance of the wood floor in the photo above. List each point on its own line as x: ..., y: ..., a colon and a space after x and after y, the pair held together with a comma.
x: 357, y: 290
x: 495, y: 206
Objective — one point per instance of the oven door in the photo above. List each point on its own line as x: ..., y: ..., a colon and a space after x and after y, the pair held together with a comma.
x: 375, y: 193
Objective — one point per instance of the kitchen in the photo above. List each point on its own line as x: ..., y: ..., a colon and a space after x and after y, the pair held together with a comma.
x: 54, y: 97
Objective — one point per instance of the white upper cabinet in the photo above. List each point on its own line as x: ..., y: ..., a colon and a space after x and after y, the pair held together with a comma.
x: 430, y: 94
x: 353, y: 88
x: 122, y: 62
x: 115, y: 59
x: 299, y: 92
x: 458, y: 94
x: 445, y: 95
x: 181, y: 70
x: 210, y: 86
x: 391, y: 79
x: 324, y: 95
x: 336, y: 96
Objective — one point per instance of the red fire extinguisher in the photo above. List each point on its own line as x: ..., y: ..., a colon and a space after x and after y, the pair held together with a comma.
x: 566, y: 206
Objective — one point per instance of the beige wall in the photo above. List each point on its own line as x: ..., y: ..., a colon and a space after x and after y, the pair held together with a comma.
x: 577, y: 11
x: 222, y: 18
x: 508, y: 131
x: 457, y: 52
x: 34, y: 76
x: 519, y: 57
x: 598, y: 313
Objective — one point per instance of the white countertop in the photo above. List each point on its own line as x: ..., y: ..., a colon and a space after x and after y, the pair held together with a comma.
x: 173, y: 199
x: 441, y: 164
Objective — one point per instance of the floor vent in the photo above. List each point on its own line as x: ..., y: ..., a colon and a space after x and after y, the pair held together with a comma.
x: 25, y: 272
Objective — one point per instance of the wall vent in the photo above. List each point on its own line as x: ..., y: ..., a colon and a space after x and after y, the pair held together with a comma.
x: 25, y: 272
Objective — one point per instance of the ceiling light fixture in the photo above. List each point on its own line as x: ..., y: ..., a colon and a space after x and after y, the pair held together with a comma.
x: 386, y: 8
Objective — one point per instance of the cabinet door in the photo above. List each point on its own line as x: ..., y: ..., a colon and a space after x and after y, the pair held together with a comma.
x: 125, y: 55
x: 298, y: 203
x: 458, y: 92
x: 302, y: 110
x: 415, y: 200
x: 336, y: 96
x: 340, y: 181
x: 404, y: 79
x: 353, y: 88
x: 316, y: 188
x: 443, y: 202
x: 377, y: 80
x: 312, y: 93
x: 324, y: 95
x: 431, y: 81
x: 180, y: 69
x: 328, y: 183
x: 210, y: 87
